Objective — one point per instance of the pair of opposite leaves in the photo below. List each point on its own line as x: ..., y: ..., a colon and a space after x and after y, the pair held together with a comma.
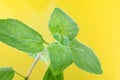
x: 65, y: 51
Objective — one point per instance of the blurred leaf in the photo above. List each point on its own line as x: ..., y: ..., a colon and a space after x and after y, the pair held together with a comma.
x: 49, y: 76
x: 6, y: 73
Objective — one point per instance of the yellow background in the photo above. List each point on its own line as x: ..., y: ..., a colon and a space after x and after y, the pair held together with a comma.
x: 99, y: 22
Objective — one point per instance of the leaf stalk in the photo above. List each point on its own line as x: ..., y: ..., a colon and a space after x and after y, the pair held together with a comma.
x: 33, y: 65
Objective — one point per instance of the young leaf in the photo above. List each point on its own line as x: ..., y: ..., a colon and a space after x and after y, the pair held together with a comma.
x: 85, y: 58
x: 49, y: 76
x: 60, y: 57
x: 62, y: 39
x: 65, y: 41
x: 6, y: 73
x: 20, y: 36
x: 61, y: 23
x: 58, y: 37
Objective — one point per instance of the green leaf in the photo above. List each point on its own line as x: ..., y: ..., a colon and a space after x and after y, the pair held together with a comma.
x: 62, y: 39
x: 61, y: 23
x: 49, y: 76
x: 65, y: 41
x: 58, y: 37
x: 20, y: 36
x: 6, y: 73
x: 60, y: 57
x: 85, y: 58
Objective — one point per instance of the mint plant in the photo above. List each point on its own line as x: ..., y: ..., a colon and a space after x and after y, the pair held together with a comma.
x: 59, y: 54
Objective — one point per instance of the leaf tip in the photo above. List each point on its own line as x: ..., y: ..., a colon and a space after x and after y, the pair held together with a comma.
x: 100, y: 71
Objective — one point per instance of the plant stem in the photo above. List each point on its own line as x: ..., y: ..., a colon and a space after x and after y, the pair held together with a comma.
x: 20, y: 74
x: 46, y: 42
x: 33, y: 65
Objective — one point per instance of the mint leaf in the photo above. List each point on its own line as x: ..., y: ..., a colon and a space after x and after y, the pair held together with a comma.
x: 58, y: 37
x: 65, y: 41
x: 62, y: 39
x: 20, y: 36
x: 6, y: 73
x: 61, y: 23
x: 60, y: 57
x: 85, y: 58
x: 49, y: 76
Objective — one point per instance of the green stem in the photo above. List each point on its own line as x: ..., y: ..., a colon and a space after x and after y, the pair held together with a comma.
x: 45, y: 42
x: 20, y: 74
